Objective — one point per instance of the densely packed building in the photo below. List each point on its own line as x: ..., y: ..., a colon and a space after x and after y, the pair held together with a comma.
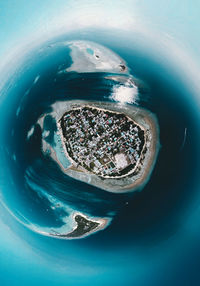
x: 103, y: 142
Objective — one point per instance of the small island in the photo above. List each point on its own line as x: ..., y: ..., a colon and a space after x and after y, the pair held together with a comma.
x: 111, y: 146
x: 107, y: 144
x: 84, y: 227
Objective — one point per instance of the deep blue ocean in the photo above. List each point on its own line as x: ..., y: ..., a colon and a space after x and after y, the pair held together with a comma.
x: 152, y: 236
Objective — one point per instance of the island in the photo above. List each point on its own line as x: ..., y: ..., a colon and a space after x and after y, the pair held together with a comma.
x: 84, y: 227
x: 101, y: 142
x: 108, y: 145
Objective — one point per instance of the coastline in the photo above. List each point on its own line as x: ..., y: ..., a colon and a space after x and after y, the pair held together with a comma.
x: 102, y: 224
x: 147, y: 122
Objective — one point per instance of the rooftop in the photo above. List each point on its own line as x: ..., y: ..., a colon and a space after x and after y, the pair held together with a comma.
x: 102, y: 142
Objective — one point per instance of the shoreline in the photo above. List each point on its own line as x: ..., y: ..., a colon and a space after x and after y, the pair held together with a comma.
x: 146, y: 121
x: 103, y: 223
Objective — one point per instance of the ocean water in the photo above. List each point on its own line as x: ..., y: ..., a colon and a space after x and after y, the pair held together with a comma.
x: 153, y: 233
